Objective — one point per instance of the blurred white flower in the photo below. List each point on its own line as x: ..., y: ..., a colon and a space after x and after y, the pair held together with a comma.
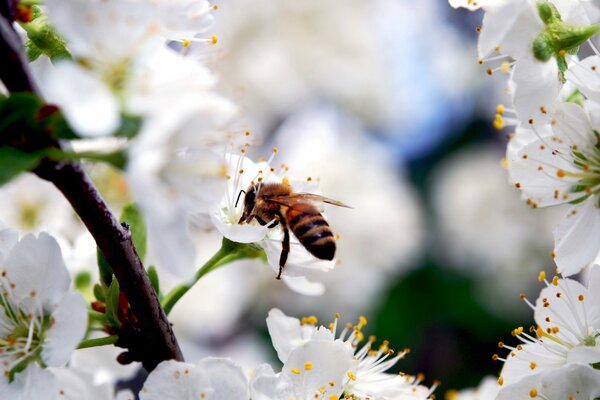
x: 483, y: 226
x: 30, y: 204
x: 100, y: 364
x: 487, y: 390
x: 210, y: 379
x: 382, y: 235
x: 121, y: 48
x: 302, y: 56
x: 41, y: 323
x: 74, y: 384
x: 572, y: 382
x: 176, y: 170
x: 368, y: 378
x: 567, y: 316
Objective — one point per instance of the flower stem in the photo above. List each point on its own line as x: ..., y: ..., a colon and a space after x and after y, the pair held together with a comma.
x: 103, y: 341
x: 229, y: 252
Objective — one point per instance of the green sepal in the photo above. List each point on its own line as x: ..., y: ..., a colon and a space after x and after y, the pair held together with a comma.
x: 106, y: 273
x: 33, y: 52
x: 154, y: 280
x: 577, y: 98
x: 43, y: 35
x: 99, y: 293
x: 112, y: 304
x: 548, y: 12
x: 137, y: 226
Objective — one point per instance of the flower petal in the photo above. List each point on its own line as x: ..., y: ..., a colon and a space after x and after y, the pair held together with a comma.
x: 227, y: 379
x: 88, y: 105
x: 577, y: 238
x: 286, y: 333
x: 67, y: 330
x: 36, y: 268
x: 173, y: 380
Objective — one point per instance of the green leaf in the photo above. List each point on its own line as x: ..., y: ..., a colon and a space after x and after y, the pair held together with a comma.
x: 13, y: 162
x: 153, y: 275
x: 112, y: 304
x: 106, y: 273
x: 133, y: 217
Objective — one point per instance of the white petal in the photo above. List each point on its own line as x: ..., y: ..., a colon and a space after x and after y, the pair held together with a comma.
x: 266, y: 385
x: 75, y: 385
x: 239, y: 233
x: 286, y: 333
x: 577, y: 238
x: 586, y: 76
x: 593, y: 300
x: 69, y: 323
x: 533, y: 167
x: 521, y: 389
x: 536, y: 87
x: 301, y: 285
x: 173, y: 380
x: 227, y: 380
x: 574, y: 381
x: 125, y: 395
x: 8, y: 239
x: 574, y: 126
x: 519, y: 366
x: 88, y: 105
x: 35, y: 266
x: 33, y: 383
x: 330, y: 361
x: 584, y: 354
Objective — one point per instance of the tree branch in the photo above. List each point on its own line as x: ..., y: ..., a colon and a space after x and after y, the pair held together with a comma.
x: 148, y: 335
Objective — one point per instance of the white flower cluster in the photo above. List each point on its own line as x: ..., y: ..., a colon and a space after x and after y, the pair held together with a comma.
x: 318, y: 363
x: 553, y: 157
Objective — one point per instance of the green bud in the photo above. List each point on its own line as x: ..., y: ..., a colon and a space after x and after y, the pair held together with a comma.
x: 83, y: 280
x: 542, y: 48
x: 42, y: 34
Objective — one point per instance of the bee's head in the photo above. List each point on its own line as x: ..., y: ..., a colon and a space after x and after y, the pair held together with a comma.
x: 249, y: 202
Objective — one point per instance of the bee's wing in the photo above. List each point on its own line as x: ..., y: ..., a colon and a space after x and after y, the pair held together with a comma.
x: 307, y: 202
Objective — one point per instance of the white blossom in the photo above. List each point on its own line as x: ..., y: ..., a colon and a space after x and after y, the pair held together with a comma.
x: 567, y: 316
x: 369, y: 378
x: 41, y: 323
x: 210, y: 379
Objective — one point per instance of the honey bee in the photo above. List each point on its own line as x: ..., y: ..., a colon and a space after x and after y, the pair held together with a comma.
x: 276, y: 204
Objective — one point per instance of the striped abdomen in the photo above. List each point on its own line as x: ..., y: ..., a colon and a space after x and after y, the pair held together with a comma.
x: 313, y: 231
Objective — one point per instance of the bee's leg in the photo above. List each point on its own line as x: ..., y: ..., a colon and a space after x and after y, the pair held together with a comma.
x: 285, y: 249
x: 260, y: 220
x: 274, y: 223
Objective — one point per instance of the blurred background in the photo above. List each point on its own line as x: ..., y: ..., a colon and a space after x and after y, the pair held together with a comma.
x: 384, y: 103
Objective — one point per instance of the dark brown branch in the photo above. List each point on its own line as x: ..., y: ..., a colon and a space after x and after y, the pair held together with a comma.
x: 148, y: 335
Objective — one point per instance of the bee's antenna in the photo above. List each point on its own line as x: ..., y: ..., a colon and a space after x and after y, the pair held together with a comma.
x: 238, y: 198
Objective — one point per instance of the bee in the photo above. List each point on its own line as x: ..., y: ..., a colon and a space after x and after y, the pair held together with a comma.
x: 277, y: 204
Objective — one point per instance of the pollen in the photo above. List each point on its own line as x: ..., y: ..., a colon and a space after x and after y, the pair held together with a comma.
x: 532, y: 365
x: 351, y: 376
x: 533, y: 393
x: 295, y: 371
x: 215, y: 7
x: 500, y: 109
x: 214, y: 39
x: 362, y: 321
x: 275, y: 150
x: 560, y: 173
x: 308, y: 366
x: 562, y: 53
x: 500, y: 381
x: 541, y: 276
x: 555, y: 280
x: 505, y: 67
x: 581, y: 297
x: 186, y: 43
